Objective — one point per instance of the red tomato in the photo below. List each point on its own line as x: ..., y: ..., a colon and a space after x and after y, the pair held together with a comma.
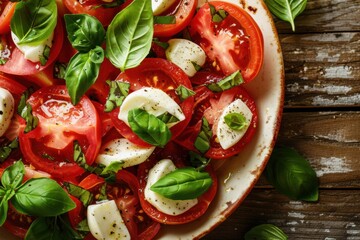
x: 178, y: 156
x: 183, y: 10
x: 7, y: 9
x: 210, y: 106
x: 161, y: 74
x: 18, y: 65
x: 49, y: 147
x: 17, y: 223
x: 235, y: 43
x: 14, y: 87
x: 93, y: 8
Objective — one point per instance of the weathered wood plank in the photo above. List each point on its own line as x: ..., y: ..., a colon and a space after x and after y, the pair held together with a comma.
x: 325, y: 16
x: 322, y: 69
x: 335, y: 216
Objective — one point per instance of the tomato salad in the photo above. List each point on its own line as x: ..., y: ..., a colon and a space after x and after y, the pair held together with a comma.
x: 112, y: 112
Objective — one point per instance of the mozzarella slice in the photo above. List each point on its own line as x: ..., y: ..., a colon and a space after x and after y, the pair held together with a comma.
x: 152, y: 100
x: 186, y: 55
x: 33, y: 52
x: 105, y: 221
x: 161, y: 203
x: 160, y: 6
x: 6, y: 110
x: 123, y: 150
x: 228, y: 137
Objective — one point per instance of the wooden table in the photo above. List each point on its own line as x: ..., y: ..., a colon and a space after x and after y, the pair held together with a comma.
x: 321, y: 120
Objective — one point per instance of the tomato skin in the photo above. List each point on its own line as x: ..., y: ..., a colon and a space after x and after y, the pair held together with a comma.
x: 158, y: 73
x: 6, y: 15
x: 55, y: 132
x: 18, y: 65
x: 184, y: 12
x: 244, y: 53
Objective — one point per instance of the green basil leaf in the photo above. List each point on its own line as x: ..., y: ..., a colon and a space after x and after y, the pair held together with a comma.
x: 265, y: 232
x: 112, y: 168
x: 184, y: 92
x: 25, y: 111
x: 85, y: 32
x: 13, y: 175
x: 51, y: 228
x: 118, y: 92
x: 45, y: 55
x: 228, y: 82
x: 166, y: 118
x: 197, y: 161
x: 6, y: 150
x: 169, y: 19
x: 291, y: 174
x: 217, y: 15
x: 236, y: 121
x: 34, y: 20
x: 85, y: 196
x: 102, y: 193
x: 148, y: 127
x: 286, y: 10
x: 4, y: 207
x: 202, y: 141
x: 112, y: 4
x: 164, y: 45
x: 183, y: 184
x: 59, y: 70
x: 42, y: 197
x: 129, y: 35
x: 83, y: 228
x: 82, y: 72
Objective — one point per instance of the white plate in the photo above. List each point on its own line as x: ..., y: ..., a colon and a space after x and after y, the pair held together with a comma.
x: 238, y: 175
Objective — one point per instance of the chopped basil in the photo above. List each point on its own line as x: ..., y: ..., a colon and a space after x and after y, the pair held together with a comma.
x: 197, y: 161
x: 164, y: 45
x: 202, y: 142
x: 45, y: 56
x: 196, y: 66
x: 228, y: 82
x: 59, y: 70
x: 265, y: 231
x: 184, y: 92
x: 118, y: 92
x: 25, y: 111
x: 6, y: 150
x: 168, y: 118
x: 217, y: 15
x: 236, y: 121
x: 85, y: 196
x: 112, y: 4
x: 164, y: 19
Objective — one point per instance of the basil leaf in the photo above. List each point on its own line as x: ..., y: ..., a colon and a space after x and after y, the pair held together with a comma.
x: 59, y: 70
x: 266, y: 232
x: 183, y: 184
x: 112, y: 4
x: 85, y: 196
x: 236, y: 121
x: 83, y: 228
x: 166, y: 118
x: 170, y: 19
x: 228, y: 82
x: 217, y: 15
x: 202, y: 141
x: 5, y: 151
x: 292, y: 175
x: 102, y: 193
x: 118, y: 92
x: 34, y: 20
x: 112, y: 168
x: 25, y: 111
x: 51, y: 228
x: 82, y: 72
x: 45, y: 55
x: 13, y: 175
x: 286, y: 10
x: 164, y: 45
x: 129, y: 35
x: 4, y: 207
x: 184, y: 92
x: 148, y: 127
x: 197, y: 161
x: 42, y: 197
x: 85, y: 32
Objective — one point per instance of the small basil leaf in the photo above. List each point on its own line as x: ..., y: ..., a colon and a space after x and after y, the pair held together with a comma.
x: 148, y: 127
x: 129, y: 35
x: 170, y: 19
x: 85, y: 32
x: 291, y: 174
x: 183, y: 184
x: 25, y: 111
x: 166, y: 118
x: 217, y: 15
x: 34, y: 20
x: 83, y: 228
x: 112, y: 4
x: 202, y: 141
x: 236, y: 121
x: 184, y: 92
x: 112, y: 168
x: 82, y: 72
x: 59, y: 70
x: 13, y: 175
x: 45, y: 56
x: 6, y: 150
x: 4, y: 206
x: 42, y: 197
x: 265, y: 232
x: 228, y: 82
x: 117, y: 93
x: 164, y: 45
x: 197, y: 161
x: 286, y: 10
x: 102, y: 193
x: 85, y: 196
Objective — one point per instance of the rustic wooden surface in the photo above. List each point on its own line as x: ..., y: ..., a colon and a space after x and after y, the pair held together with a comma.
x: 322, y: 121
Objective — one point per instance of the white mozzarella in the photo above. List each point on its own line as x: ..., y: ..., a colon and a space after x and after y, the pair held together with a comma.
x: 160, y: 6
x: 105, y: 221
x: 33, y: 52
x: 6, y: 110
x: 123, y: 150
x: 152, y: 100
x: 161, y: 203
x: 185, y: 54
x: 228, y: 137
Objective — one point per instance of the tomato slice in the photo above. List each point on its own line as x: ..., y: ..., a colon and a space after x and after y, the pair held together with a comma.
x: 18, y: 65
x: 235, y: 43
x: 7, y: 10
x: 178, y: 156
x: 49, y: 147
x: 210, y: 106
x: 14, y: 87
x: 183, y: 10
x: 161, y: 74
